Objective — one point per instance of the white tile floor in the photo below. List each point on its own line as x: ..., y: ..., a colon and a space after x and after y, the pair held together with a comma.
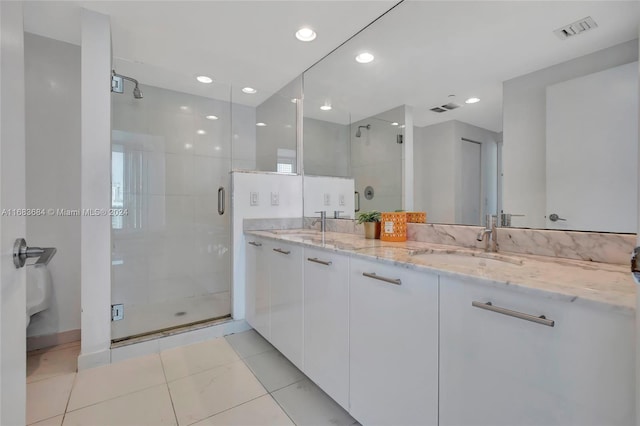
x: 236, y: 380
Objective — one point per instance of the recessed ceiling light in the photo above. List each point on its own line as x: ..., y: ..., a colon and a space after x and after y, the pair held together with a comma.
x: 249, y: 90
x: 472, y: 100
x: 305, y: 34
x: 325, y: 107
x: 217, y: 148
x: 188, y: 146
x: 394, y: 124
x: 364, y: 58
x: 184, y: 107
x: 261, y: 124
x: 204, y: 79
x: 201, y: 132
x: 294, y: 101
x: 212, y: 117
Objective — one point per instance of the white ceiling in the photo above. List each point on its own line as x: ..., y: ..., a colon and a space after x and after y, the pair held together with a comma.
x: 427, y: 50
x: 243, y: 43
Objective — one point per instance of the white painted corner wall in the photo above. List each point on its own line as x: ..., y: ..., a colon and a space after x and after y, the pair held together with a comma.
x: 243, y: 184
x: 95, y: 240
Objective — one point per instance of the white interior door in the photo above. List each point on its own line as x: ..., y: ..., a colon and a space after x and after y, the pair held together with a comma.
x: 471, y: 175
x: 592, y: 151
x: 12, y: 224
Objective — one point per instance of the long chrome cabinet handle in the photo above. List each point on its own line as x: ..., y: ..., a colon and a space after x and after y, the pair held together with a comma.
x: 316, y: 260
x: 373, y: 275
x: 504, y: 311
x: 253, y: 243
x: 221, y: 200
x: 279, y: 250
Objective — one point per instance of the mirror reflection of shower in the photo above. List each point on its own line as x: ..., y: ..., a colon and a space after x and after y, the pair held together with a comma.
x: 117, y: 84
x: 359, y: 133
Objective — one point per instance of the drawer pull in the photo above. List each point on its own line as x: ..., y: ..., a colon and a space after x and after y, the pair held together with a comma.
x: 373, y: 275
x: 316, y: 260
x: 279, y: 250
x: 504, y: 311
x: 253, y: 243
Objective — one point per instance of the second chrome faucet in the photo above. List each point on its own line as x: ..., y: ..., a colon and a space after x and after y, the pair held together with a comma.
x: 491, y: 234
x: 322, y: 220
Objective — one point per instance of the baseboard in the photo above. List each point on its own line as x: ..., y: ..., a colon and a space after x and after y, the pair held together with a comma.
x: 94, y: 359
x: 48, y: 340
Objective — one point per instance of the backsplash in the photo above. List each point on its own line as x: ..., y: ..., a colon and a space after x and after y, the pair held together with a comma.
x: 589, y: 246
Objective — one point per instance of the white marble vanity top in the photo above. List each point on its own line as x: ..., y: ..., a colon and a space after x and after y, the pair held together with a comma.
x: 603, y: 285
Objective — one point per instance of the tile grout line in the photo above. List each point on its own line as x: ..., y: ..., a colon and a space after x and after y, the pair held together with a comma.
x: 166, y: 382
x: 73, y: 385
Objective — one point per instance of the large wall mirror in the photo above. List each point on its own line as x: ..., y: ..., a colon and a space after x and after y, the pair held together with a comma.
x: 473, y: 108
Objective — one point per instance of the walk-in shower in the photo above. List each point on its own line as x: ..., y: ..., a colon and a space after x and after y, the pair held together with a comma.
x: 117, y: 84
x: 359, y: 132
x: 170, y: 163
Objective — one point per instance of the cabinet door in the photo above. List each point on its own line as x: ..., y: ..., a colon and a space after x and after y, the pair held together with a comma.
x: 326, y: 322
x: 286, y: 300
x: 393, y: 323
x: 257, y: 292
x: 497, y: 369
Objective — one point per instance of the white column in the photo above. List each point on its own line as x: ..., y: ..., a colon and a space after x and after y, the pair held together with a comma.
x: 13, y: 393
x: 95, y: 241
x: 407, y: 160
x: 638, y: 289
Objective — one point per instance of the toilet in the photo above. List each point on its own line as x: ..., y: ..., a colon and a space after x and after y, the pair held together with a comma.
x: 39, y: 286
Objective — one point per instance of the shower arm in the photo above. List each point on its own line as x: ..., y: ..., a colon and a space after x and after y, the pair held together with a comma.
x: 124, y: 77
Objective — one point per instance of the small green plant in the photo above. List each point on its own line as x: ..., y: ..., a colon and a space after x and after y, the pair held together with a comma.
x: 372, y: 216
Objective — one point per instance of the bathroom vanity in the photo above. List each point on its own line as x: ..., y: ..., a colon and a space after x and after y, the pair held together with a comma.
x: 420, y: 333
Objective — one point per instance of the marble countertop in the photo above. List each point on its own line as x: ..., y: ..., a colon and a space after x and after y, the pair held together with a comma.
x: 602, y: 285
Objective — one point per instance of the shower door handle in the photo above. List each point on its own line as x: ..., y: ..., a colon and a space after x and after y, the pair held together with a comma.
x: 357, y: 194
x: 221, y: 200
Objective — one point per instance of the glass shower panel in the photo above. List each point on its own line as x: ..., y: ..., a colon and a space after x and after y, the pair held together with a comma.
x: 171, y: 158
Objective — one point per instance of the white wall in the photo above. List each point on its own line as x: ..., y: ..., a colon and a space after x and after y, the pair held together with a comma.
x: 438, y: 172
x: 289, y: 189
x: 326, y: 148
x: 243, y: 137
x: 52, y: 72
x: 95, y: 240
x: 315, y: 188
x: 524, y: 128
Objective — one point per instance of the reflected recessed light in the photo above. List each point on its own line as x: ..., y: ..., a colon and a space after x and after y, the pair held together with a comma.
x: 364, y: 58
x: 325, y: 107
x: 472, y: 100
x: 204, y: 79
x: 201, y: 132
x: 188, y: 146
x: 305, y: 34
x: 394, y: 124
x: 294, y: 101
x: 184, y: 107
x: 249, y: 90
x: 403, y: 126
x: 212, y: 117
x: 217, y: 148
x: 261, y: 124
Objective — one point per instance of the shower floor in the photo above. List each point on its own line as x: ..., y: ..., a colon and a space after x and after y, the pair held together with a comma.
x: 148, y: 318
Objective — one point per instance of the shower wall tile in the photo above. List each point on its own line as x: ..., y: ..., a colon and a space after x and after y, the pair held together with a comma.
x: 179, y: 177
x: 210, y: 174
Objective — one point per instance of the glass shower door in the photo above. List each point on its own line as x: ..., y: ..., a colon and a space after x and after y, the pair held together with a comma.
x: 171, y: 249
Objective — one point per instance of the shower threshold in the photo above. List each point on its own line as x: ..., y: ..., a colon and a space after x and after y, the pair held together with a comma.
x: 170, y: 331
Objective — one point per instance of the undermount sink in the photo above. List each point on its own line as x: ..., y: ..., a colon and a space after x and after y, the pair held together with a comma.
x: 467, y: 258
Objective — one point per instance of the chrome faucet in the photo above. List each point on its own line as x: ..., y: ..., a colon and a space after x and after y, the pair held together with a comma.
x: 491, y: 234
x: 322, y: 220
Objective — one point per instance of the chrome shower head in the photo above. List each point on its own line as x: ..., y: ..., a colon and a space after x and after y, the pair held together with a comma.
x: 136, y: 92
x: 359, y: 133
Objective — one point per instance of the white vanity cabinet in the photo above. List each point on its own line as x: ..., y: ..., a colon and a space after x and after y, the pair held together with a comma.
x: 497, y: 368
x: 393, y: 321
x: 326, y: 322
x: 257, y: 291
x: 285, y: 265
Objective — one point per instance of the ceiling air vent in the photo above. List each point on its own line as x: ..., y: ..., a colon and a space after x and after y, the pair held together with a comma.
x: 584, y: 24
x: 438, y: 109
